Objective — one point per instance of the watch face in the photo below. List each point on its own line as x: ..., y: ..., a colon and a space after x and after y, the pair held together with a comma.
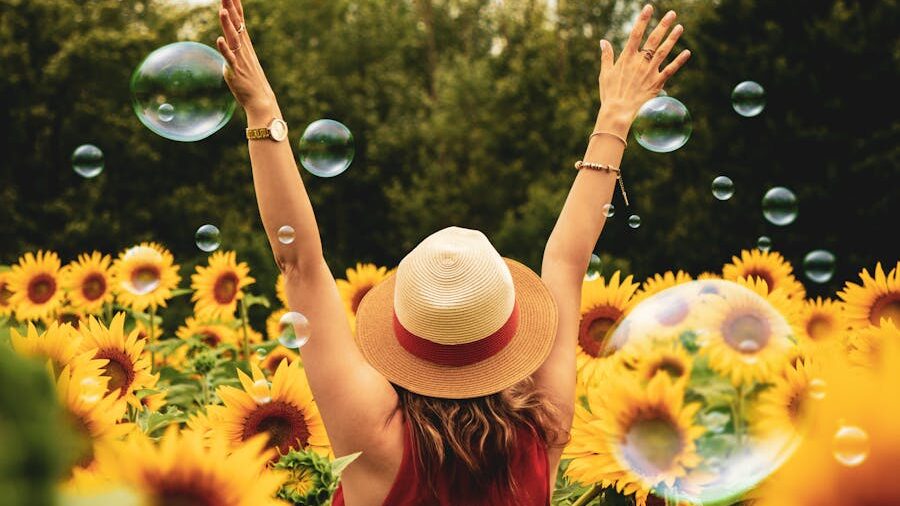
x: 278, y: 130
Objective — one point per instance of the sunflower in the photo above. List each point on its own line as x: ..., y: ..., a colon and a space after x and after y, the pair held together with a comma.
x: 59, y: 345
x: 211, y: 333
x: 34, y: 283
x: 273, y: 324
x: 789, y: 308
x: 661, y: 354
x: 822, y: 321
x: 281, y: 290
x: 602, y: 306
x: 659, y: 282
x: 358, y: 283
x: 865, y: 346
x: 144, y: 276
x: 182, y: 470
x: 635, y: 437
x: 128, y: 368
x: 747, y: 340
x: 285, y: 410
x: 154, y: 402
x: 6, y: 307
x: 708, y: 275
x: 876, y: 299
x: 218, y: 287
x: 269, y: 362
x: 771, y: 267
x: 66, y: 314
x: 88, y: 282
x: 784, y: 410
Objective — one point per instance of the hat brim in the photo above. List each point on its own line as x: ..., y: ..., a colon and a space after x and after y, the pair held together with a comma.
x: 529, y: 347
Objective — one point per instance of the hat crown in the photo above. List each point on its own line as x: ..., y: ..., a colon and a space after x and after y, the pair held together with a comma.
x: 453, y: 288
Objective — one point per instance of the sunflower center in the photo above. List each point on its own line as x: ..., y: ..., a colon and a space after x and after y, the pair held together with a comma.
x: 764, y: 275
x: 819, y: 327
x: 41, y: 288
x: 358, y: 296
x: 672, y: 310
x: 301, y: 482
x: 185, y: 494
x: 210, y: 338
x: 887, y: 306
x: 795, y: 407
x: 5, y: 294
x: 145, y: 279
x: 652, y: 445
x: 70, y: 318
x: 669, y: 365
x: 119, y: 370
x: 747, y: 333
x: 595, y: 327
x: 226, y: 288
x: 285, y: 424
x: 94, y: 286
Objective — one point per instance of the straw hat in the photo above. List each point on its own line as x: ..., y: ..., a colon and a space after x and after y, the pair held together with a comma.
x: 457, y: 320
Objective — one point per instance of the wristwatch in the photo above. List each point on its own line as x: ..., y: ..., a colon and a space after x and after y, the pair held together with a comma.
x: 277, y: 130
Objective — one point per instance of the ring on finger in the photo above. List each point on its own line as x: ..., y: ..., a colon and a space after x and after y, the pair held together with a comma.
x: 648, y: 53
x: 241, y: 28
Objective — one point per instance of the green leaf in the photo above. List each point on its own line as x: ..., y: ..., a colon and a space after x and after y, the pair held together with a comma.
x: 339, y: 464
x: 181, y: 291
x: 251, y: 300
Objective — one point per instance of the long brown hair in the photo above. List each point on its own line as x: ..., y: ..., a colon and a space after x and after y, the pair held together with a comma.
x: 472, y: 440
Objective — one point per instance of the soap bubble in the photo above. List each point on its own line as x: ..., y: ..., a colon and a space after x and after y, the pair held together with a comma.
x: 662, y: 125
x: 705, y: 346
x: 326, y: 148
x: 780, y: 206
x: 722, y: 188
x: 286, y: 234
x: 764, y: 243
x: 595, y: 266
x: 87, y: 160
x: 818, y: 266
x: 261, y: 392
x: 748, y: 98
x: 146, y: 277
x: 609, y: 210
x: 179, y: 92
x: 851, y: 445
x: 207, y: 238
x: 634, y: 221
x: 294, y: 330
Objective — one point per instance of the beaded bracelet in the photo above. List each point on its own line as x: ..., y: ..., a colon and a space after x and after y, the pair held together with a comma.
x: 608, y: 169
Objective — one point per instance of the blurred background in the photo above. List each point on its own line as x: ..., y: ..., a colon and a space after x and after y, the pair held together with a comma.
x: 465, y: 112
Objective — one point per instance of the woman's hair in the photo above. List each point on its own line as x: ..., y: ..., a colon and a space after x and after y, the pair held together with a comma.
x: 473, y: 440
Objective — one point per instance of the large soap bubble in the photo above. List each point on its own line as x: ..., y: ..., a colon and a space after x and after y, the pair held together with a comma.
x: 326, y: 148
x: 704, y: 385
x: 662, y: 125
x: 179, y: 92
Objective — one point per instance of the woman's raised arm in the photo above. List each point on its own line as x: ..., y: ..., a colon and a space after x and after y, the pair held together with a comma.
x: 353, y: 398
x: 625, y: 84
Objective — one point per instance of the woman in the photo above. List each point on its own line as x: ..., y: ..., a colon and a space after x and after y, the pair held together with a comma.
x: 459, y: 387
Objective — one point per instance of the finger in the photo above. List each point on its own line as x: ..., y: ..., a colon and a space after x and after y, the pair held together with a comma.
x: 233, y: 14
x: 663, y: 52
x: 229, y: 31
x: 673, y: 67
x: 637, y: 33
x: 240, y: 9
x: 656, y: 36
x: 226, y: 52
x: 607, y: 57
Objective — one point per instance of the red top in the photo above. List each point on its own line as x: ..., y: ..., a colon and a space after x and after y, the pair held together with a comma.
x: 528, y: 465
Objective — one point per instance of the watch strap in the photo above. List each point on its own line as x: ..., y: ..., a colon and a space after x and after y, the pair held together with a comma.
x: 258, y: 133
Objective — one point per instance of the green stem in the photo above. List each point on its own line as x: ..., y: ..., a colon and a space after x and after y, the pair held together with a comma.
x: 108, y: 312
x: 246, y: 343
x: 588, y: 496
x: 150, y: 338
x: 739, y: 415
x: 205, y: 386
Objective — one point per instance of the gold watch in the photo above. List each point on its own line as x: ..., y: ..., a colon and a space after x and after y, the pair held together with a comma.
x: 277, y: 130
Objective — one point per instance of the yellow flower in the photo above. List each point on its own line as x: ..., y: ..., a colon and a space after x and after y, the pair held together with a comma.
x: 66, y: 314
x: 746, y: 339
x: 6, y: 307
x: 154, y: 402
x: 145, y: 276
x: 659, y: 282
x: 59, y: 345
x: 358, y: 283
x: 707, y: 275
x: 284, y: 409
x: 822, y: 321
x: 876, y: 299
x: 88, y: 282
x: 269, y: 363
x: 784, y: 410
x: 602, y: 306
x: 635, y: 437
x: 771, y: 267
x: 281, y: 290
x: 34, y: 283
x: 661, y: 354
x: 182, y: 470
x: 128, y: 368
x: 218, y: 287
x: 866, y: 346
x: 211, y: 333
x: 273, y: 324
x: 789, y: 308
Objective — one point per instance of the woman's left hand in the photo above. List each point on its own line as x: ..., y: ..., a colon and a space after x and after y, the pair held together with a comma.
x: 244, y: 74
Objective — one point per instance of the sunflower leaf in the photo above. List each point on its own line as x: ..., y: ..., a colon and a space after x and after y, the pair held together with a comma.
x: 251, y: 300
x: 180, y: 291
x: 338, y: 465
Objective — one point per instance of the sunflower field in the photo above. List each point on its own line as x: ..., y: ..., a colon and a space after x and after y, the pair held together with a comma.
x: 112, y: 409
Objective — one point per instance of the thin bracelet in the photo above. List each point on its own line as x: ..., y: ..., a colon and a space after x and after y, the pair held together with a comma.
x: 617, y: 136
x: 608, y: 169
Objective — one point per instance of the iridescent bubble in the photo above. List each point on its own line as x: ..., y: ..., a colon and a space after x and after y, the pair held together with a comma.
x: 286, y: 234
x: 662, y: 93
x: 179, y: 92
x: 722, y: 188
x: 780, y: 206
x: 87, y: 160
x: 704, y: 345
x: 294, y: 330
x: 595, y: 267
x: 326, y: 148
x: 260, y: 391
x: 146, y: 276
x: 851, y: 445
x: 609, y: 210
x: 634, y: 221
x: 816, y: 389
x: 662, y: 125
x: 261, y: 353
x: 207, y: 238
x: 748, y: 98
x: 764, y: 243
x: 818, y: 266
x: 91, y: 390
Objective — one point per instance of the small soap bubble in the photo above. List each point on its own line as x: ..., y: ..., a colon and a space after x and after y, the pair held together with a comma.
x: 780, y: 206
x: 294, y: 330
x: 816, y: 389
x: 851, y: 445
x: 595, y: 266
x: 146, y: 277
x: 87, y: 161
x: 634, y: 221
x: 326, y: 148
x: 818, y: 266
x: 166, y: 113
x: 609, y: 210
x: 764, y: 243
x: 286, y: 234
x: 722, y: 188
x: 207, y: 238
x: 260, y: 391
x: 261, y: 353
x: 662, y: 125
x: 748, y: 99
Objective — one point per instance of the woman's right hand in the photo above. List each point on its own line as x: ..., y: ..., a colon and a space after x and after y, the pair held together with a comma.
x: 627, y: 83
x: 244, y: 74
